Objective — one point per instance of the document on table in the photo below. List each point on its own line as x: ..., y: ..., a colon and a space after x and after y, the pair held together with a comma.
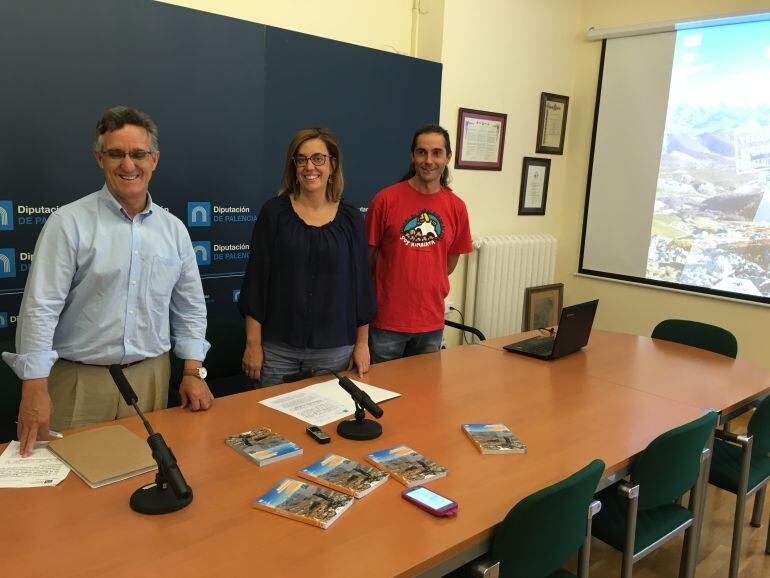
x: 41, y: 468
x: 325, y: 402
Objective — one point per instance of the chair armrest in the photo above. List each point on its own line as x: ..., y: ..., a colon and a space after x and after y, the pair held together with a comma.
x: 733, y: 438
x: 463, y: 327
x: 485, y: 568
x: 628, y: 491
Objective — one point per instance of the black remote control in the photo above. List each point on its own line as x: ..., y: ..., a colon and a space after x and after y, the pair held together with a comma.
x: 318, y: 434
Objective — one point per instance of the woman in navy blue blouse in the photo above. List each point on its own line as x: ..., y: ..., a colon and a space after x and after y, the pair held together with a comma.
x: 308, y: 295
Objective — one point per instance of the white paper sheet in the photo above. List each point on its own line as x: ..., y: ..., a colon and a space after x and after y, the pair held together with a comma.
x: 41, y: 468
x: 325, y: 402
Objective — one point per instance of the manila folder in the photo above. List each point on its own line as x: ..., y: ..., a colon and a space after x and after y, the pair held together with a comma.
x: 104, y: 455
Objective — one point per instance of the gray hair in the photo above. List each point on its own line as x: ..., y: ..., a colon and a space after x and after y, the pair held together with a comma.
x: 117, y: 117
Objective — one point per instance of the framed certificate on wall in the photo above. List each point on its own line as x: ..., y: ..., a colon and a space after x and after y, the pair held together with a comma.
x: 552, y: 124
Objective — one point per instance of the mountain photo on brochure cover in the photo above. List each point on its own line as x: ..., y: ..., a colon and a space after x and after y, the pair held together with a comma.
x: 407, y: 466
x: 304, y: 502
x: 263, y: 445
x: 344, y: 475
x: 493, y: 438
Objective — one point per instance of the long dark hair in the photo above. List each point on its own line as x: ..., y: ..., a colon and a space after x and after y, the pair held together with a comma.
x: 428, y: 129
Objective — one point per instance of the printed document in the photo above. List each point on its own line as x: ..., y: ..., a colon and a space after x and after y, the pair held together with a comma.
x: 41, y: 468
x: 325, y: 402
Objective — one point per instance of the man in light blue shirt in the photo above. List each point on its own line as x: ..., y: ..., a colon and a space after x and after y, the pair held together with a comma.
x: 114, y: 280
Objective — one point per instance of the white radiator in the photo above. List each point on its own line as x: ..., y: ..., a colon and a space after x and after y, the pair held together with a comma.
x: 499, y: 269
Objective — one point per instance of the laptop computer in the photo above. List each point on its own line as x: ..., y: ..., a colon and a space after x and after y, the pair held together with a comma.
x: 574, y: 329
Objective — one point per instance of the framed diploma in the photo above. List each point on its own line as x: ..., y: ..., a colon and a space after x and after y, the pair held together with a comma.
x: 552, y: 123
x: 480, y: 140
x: 534, y: 186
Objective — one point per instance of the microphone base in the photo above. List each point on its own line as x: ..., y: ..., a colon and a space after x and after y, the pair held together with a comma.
x: 359, y: 430
x: 154, y: 500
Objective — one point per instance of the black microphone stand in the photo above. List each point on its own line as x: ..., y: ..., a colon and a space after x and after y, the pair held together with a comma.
x: 170, y: 491
x: 161, y: 497
x: 359, y: 428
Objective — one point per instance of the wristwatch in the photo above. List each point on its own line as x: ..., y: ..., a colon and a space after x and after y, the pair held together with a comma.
x: 199, y: 372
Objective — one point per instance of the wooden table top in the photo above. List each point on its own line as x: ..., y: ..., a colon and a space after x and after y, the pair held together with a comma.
x: 671, y: 370
x: 564, y: 414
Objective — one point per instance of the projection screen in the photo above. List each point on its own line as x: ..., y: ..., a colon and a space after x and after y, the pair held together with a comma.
x: 678, y: 190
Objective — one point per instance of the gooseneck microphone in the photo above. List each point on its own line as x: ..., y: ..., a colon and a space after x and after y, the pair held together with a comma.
x: 170, y: 491
x: 359, y: 428
x: 359, y: 395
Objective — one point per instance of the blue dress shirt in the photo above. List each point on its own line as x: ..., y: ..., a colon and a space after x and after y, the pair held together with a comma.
x: 106, y: 289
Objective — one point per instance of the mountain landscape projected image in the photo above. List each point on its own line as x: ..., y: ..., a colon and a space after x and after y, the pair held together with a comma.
x: 711, y: 222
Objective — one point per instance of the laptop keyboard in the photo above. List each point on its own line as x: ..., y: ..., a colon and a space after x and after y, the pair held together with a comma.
x: 543, y: 345
x: 537, y: 345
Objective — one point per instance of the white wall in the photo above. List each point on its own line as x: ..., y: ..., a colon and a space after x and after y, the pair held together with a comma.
x: 384, y: 25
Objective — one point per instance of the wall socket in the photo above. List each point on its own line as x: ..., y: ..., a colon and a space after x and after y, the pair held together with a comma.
x: 448, y: 304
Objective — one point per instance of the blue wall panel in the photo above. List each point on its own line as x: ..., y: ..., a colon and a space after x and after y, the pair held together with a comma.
x: 227, y: 96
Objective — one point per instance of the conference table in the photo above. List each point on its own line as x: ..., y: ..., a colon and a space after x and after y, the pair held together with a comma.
x: 607, y: 401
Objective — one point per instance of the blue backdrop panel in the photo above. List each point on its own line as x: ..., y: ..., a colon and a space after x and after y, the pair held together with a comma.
x: 227, y: 96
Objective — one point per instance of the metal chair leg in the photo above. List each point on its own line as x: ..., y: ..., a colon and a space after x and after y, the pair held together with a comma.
x: 759, y: 503
x: 692, y: 534
x: 584, y: 554
x: 632, y: 494
x: 710, y: 447
x: 740, y: 505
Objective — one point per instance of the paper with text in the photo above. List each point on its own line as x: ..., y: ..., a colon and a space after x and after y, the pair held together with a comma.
x: 41, y: 468
x: 325, y: 402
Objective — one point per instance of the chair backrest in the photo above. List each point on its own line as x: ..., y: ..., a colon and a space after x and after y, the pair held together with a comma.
x: 759, y: 427
x: 546, y: 528
x: 697, y: 334
x: 228, y: 342
x: 670, y: 465
x: 10, y: 397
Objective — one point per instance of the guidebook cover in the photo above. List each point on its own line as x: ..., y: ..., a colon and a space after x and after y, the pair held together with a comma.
x: 494, y: 438
x: 263, y: 445
x: 304, y: 502
x: 344, y: 475
x: 407, y: 466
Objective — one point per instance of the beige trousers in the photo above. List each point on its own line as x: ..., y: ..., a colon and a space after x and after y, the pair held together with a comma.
x: 86, y: 394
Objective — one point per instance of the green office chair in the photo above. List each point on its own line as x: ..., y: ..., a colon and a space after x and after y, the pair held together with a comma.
x: 223, y: 360
x: 10, y: 397
x: 640, y: 515
x: 697, y: 334
x: 700, y: 335
x: 741, y: 465
x: 546, y: 528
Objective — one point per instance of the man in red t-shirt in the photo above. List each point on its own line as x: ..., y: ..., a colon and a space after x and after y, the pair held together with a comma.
x: 417, y: 229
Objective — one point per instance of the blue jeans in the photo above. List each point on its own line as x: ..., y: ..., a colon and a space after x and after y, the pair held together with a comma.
x: 385, y: 345
x: 282, y: 359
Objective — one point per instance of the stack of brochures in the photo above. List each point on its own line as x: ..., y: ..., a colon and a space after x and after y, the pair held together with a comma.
x: 344, y: 475
x: 494, y: 438
x: 304, y: 502
x: 406, y: 465
x: 263, y: 446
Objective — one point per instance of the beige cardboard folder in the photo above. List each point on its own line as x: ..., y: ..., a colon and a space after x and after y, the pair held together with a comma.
x: 104, y: 455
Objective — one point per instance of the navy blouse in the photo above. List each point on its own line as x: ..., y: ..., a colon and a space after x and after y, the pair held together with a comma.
x: 308, y: 286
